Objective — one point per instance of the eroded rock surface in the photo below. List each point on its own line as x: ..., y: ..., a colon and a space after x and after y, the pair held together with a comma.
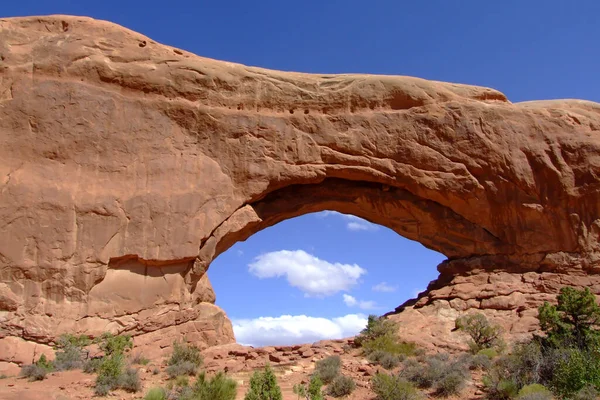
x: 127, y: 166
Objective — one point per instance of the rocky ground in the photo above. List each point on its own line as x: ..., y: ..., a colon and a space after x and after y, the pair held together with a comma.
x: 292, y: 365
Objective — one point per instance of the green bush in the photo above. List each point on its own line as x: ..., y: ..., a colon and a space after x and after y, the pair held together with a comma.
x: 114, y: 344
x: 483, y: 334
x: 389, y: 344
x: 376, y: 327
x: 220, y: 387
x: 393, y: 387
x: 380, y: 335
x: 341, y: 386
x: 573, y: 322
x: 534, y: 392
x: 328, y: 368
x: 43, y: 362
x: 263, y: 386
x: 109, y: 373
x: 574, y: 370
x: 314, y: 388
x: 111, y: 370
x: 490, y: 353
x: 156, y: 394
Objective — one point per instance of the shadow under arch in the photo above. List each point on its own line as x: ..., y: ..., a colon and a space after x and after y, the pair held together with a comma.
x: 433, y: 225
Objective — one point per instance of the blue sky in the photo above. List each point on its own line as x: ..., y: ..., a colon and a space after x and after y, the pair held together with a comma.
x: 317, y: 275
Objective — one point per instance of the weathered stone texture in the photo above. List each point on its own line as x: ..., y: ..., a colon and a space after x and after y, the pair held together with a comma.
x: 127, y: 166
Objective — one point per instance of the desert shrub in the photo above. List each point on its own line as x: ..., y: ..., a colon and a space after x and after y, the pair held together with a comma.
x: 33, y: 372
x: 3, y: 376
x: 390, y: 361
x: 183, y: 352
x: 451, y: 383
x: 71, y: 352
x: 534, y: 392
x: 483, y: 334
x: 500, y: 388
x: 474, y: 362
x: 92, y: 365
x: 341, y: 386
x: 38, y: 370
x: 155, y: 371
x: 394, y: 387
x: 185, y: 360
x: 481, y: 362
x: 139, y: 359
x: 263, y: 386
x: 328, y: 368
x: 129, y: 381
x: 385, y: 359
x: 156, y: 393
x: 586, y: 393
x: 300, y: 390
x: 181, y: 368
x: 220, y: 387
x: 446, y: 376
x: 565, y: 370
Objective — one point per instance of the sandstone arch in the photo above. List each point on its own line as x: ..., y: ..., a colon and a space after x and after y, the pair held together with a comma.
x: 127, y: 166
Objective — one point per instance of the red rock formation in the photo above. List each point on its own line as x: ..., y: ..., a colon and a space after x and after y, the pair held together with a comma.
x: 127, y: 166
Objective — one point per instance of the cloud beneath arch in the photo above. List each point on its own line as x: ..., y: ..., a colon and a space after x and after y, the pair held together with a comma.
x: 353, y: 223
x: 310, y: 274
x: 295, y: 329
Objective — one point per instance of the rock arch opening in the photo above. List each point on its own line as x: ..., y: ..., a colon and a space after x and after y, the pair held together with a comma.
x: 317, y: 276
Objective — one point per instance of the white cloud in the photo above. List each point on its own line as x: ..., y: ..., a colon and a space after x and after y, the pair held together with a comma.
x: 295, y: 329
x: 315, y: 277
x: 363, y: 305
x: 353, y: 223
x: 349, y: 300
x: 384, y: 287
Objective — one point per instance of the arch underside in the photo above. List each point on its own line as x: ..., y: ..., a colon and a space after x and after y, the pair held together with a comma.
x: 425, y: 221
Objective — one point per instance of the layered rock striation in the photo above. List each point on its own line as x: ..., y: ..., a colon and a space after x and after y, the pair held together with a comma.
x: 127, y: 166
